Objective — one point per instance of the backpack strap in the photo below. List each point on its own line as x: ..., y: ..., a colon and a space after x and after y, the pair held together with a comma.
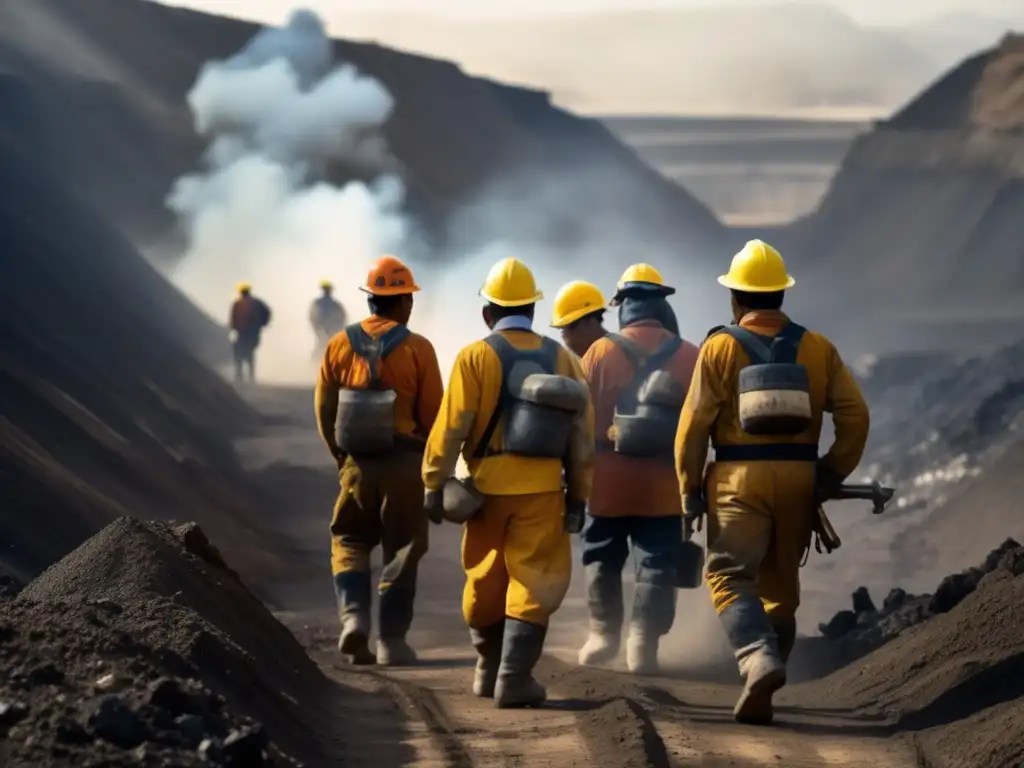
x: 782, y: 348
x: 629, y: 348
x: 786, y: 343
x: 372, y: 350
x: 758, y: 348
x: 391, y: 340
x: 644, y: 364
x: 546, y: 356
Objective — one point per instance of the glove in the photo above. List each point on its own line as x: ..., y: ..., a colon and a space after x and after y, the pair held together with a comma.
x: 432, y: 505
x: 826, y: 483
x: 575, y: 515
x: 232, y: 336
x: 694, y: 509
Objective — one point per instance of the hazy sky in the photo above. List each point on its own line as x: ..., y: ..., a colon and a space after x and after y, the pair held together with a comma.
x: 870, y: 11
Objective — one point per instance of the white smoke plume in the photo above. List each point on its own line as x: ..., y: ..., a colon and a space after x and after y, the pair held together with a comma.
x: 275, y: 114
x: 278, y: 111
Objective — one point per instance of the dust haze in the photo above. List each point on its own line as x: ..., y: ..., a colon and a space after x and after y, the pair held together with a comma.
x: 275, y: 114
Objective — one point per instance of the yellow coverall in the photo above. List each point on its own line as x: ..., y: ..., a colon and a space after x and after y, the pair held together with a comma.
x: 517, y: 556
x: 760, y: 513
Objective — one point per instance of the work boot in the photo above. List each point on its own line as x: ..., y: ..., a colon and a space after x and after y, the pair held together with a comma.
x: 353, y: 592
x: 521, y: 648
x: 487, y: 642
x: 395, y: 652
x: 765, y: 673
x: 600, y: 648
x: 757, y: 655
x: 785, y: 634
x: 604, y: 602
x: 354, y: 642
x: 641, y: 652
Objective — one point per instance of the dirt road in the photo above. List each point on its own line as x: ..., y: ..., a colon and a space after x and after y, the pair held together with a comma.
x: 427, y: 716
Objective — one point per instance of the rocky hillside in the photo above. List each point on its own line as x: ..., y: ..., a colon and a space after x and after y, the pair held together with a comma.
x: 116, y: 73
x: 922, y: 222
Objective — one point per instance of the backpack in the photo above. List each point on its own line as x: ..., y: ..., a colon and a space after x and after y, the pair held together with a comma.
x: 538, y: 405
x: 647, y: 411
x: 774, y: 390
x: 366, y: 416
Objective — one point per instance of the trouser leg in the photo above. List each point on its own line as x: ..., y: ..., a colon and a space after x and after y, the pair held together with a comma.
x: 404, y: 542
x: 739, y: 539
x: 355, y: 530
x: 605, y: 549
x: 655, y: 543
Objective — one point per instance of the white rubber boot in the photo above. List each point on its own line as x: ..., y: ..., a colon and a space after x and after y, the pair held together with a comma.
x: 765, y: 673
x: 641, y: 653
x: 600, y: 648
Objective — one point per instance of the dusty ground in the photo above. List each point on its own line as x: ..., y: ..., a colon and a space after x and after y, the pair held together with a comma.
x: 595, y: 716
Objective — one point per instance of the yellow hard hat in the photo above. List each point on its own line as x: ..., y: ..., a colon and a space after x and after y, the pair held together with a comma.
x: 575, y: 300
x: 643, y: 277
x: 510, y: 283
x: 758, y: 268
x: 243, y: 287
x: 640, y: 273
x: 326, y: 284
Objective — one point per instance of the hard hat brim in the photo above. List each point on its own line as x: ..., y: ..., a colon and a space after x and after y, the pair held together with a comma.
x: 512, y: 302
x: 572, y: 317
x: 656, y: 288
x: 396, y: 290
x: 736, y: 285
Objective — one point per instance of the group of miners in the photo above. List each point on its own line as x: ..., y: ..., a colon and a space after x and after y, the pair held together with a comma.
x: 250, y: 315
x: 606, y: 436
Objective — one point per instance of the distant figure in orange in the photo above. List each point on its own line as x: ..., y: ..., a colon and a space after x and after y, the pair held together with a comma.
x: 249, y: 316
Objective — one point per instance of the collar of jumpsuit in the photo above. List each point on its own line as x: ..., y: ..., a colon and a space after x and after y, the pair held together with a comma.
x: 513, y: 323
x: 768, y: 319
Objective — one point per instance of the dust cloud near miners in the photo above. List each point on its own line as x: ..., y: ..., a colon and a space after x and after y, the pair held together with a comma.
x: 276, y: 117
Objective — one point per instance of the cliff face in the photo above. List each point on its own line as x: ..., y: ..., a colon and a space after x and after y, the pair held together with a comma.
x: 925, y: 217
x: 117, y: 71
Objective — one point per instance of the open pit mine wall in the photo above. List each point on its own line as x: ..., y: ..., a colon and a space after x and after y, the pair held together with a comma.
x: 929, y: 204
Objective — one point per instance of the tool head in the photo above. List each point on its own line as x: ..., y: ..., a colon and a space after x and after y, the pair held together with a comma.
x: 689, y: 561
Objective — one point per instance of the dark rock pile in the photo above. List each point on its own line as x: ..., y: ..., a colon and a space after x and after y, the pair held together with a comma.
x: 867, y: 627
x: 142, y: 647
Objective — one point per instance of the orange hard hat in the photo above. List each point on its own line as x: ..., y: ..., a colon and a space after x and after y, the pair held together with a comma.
x: 389, y: 277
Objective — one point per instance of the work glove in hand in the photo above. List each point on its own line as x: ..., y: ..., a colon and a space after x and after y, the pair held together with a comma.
x: 694, y: 509
x: 432, y: 506
x: 826, y: 483
x: 575, y: 515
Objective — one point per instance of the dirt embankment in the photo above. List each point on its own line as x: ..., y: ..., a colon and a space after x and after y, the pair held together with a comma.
x: 105, y: 407
x: 952, y: 671
x: 922, y: 222
x: 118, y: 73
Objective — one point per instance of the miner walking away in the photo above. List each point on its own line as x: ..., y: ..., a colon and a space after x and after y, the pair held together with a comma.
x: 326, y: 316
x: 377, y: 396
x: 759, y: 393
x: 638, y: 381
x: 578, y: 313
x: 518, y: 409
x: 249, y: 316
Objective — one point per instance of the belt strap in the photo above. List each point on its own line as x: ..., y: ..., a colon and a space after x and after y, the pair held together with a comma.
x: 767, y: 452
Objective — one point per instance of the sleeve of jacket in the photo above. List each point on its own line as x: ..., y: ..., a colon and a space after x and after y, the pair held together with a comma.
x: 431, y: 388
x: 325, y: 402
x: 455, y: 418
x: 579, y: 464
x: 846, y: 403
x: 703, y: 402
